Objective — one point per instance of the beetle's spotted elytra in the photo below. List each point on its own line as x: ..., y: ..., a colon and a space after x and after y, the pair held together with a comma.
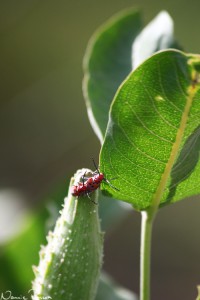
x: 90, y: 183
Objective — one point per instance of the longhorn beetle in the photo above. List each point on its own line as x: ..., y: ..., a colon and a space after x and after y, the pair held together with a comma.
x: 90, y: 184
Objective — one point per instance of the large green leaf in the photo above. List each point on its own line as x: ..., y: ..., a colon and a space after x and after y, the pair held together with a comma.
x: 152, y: 140
x: 106, y: 64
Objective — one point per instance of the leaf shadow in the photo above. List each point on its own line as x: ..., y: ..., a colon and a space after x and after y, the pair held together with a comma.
x: 186, y: 163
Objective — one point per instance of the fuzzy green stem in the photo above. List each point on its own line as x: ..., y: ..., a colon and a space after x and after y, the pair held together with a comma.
x: 145, y: 254
x: 70, y: 263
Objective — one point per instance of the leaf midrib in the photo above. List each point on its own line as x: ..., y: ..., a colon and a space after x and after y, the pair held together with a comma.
x: 175, y: 148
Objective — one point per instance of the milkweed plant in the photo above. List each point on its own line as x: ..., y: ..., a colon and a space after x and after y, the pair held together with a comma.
x: 142, y: 96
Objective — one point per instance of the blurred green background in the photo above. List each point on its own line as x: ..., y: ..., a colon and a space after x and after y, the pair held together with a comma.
x: 45, y: 136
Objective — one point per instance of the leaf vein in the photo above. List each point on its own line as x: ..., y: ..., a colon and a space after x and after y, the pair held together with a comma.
x: 156, y: 110
x: 147, y: 129
x: 165, y: 94
x: 138, y: 149
x: 123, y: 179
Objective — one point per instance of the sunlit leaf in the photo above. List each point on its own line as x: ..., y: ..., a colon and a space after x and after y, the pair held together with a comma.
x: 152, y: 140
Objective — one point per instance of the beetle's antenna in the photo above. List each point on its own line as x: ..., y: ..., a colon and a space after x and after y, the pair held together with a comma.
x: 112, y: 186
x: 83, y: 179
x: 95, y: 166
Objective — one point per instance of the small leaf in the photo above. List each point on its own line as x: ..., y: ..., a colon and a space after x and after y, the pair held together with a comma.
x: 106, y: 64
x: 111, y: 212
x: 109, y: 290
x: 15, y: 264
x: 152, y: 140
x: 73, y: 254
x: 157, y: 35
x: 198, y: 289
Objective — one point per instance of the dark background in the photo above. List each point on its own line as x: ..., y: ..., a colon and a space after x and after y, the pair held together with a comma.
x: 45, y: 134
